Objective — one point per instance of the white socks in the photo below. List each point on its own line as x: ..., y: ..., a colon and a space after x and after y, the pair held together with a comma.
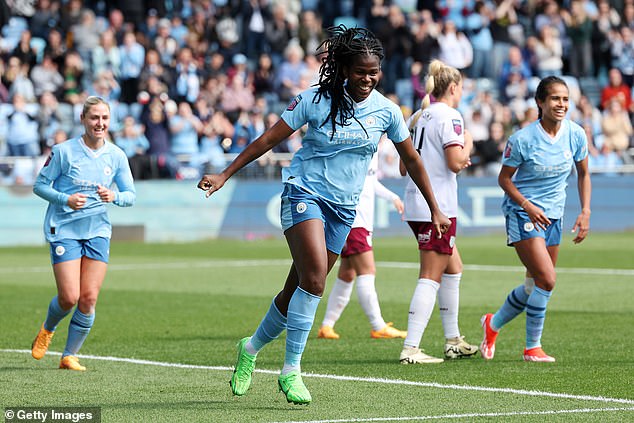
x: 448, y: 303
x: 420, y: 310
x: 369, y: 301
x: 337, y: 301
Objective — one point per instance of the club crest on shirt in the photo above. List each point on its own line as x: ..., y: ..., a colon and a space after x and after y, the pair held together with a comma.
x: 294, y: 103
x: 457, y: 126
x: 568, y: 154
x: 370, y: 120
x: 107, y: 171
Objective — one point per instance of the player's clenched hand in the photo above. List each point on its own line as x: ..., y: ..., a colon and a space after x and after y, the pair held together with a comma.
x: 106, y: 195
x: 76, y: 201
x: 441, y: 223
x: 211, y: 183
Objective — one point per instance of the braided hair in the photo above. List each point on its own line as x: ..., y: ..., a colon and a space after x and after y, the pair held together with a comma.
x: 343, y: 45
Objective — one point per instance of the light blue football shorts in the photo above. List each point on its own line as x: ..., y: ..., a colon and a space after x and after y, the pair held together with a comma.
x: 519, y: 227
x: 97, y: 248
x: 299, y: 205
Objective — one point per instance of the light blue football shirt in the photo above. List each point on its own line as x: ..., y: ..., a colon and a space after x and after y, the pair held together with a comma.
x: 335, y: 169
x: 543, y: 165
x: 73, y: 167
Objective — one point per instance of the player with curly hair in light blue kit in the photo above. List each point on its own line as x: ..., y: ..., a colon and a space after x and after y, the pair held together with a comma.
x: 346, y: 117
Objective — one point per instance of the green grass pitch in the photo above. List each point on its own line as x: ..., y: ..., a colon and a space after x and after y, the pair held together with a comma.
x: 169, y: 316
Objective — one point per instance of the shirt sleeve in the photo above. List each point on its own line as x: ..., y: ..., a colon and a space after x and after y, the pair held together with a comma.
x: 295, y: 113
x: 43, y: 186
x: 398, y: 130
x: 581, y: 144
x: 126, y: 194
x: 512, y: 155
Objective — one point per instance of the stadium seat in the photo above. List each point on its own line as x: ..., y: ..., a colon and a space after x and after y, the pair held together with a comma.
x: 591, y: 88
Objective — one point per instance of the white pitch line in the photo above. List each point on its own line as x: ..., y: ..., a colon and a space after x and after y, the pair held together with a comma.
x: 358, y: 379
x: 467, y: 415
x: 260, y: 263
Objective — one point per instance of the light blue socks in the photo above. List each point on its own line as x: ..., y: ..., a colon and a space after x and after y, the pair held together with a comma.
x: 55, y: 315
x: 78, y: 330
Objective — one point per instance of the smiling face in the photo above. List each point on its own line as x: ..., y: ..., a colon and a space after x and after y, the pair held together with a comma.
x: 555, y: 105
x: 363, y: 75
x: 96, y: 120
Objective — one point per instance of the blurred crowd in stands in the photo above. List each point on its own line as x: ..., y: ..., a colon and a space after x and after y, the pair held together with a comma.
x: 191, y: 82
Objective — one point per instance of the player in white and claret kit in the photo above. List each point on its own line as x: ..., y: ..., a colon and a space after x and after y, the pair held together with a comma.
x: 357, y: 262
x: 440, y: 139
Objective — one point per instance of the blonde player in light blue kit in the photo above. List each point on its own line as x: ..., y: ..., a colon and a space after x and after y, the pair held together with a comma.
x: 537, y: 162
x: 345, y: 117
x: 76, y: 181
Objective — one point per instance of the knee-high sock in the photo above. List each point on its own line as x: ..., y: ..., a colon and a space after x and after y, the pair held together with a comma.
x: 535, y: 316
x: 420, y: 310
x: 78, y: 330
x: 55, y: 315
x: 272, y: 325
x: 301, y: 314
x: 514, y: 304
x: 449, y: 303
x: 337, y: 301
x: 366, y: 292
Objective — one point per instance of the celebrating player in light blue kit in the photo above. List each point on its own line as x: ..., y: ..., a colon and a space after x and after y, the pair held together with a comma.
x: 76, y: 181
x: 346, y: 118
x: 537, y: 162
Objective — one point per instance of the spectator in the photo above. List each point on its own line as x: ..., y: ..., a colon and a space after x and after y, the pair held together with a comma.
x: 73, y: 73
x: 24, y: 51
x: 187, y: 78
x: 623, y: 54
x: 135, y: 145
x: 45, y: 18
x: 548, y: 52
x: 256, y: 14
x: 616, y: 88
x: 52, y: 117
x: 55, y: 47
x: 290, y: 72
x: 608, y: 20
x: 17, y: 80
x: 278, y: 33
x: 185, y: 128
x: 505, y: 17
x: 22, y: 129
x: 86, y: 35
x: 164, y: 43
x: 579, y: 30
x: 46, y: 77
x: 264, y: 80
x: 397, y: 42
x: 106, y: 55
x: 488, y: 152
x: 157, y: 132
x: 455, y: 48
x: 310, y: 32
x: 616, y: 127
x: 514, y: 70
x: 132, y: 59
x: 477, y: 29
x: 425, y: 40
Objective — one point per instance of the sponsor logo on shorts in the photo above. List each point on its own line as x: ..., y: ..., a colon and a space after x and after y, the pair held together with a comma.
x: 528, y: 226
x: 59, y: 250
x: 424, y: 238
x: 301, y: 207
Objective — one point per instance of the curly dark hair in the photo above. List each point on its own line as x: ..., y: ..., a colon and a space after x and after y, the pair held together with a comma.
x: 339, y: 50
